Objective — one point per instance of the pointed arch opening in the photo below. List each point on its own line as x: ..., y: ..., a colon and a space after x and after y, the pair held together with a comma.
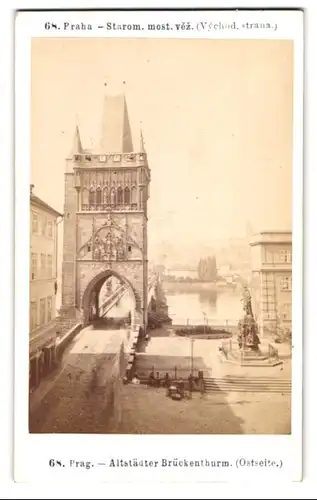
x: 127, y: 196
x: 98, y: 196
x: 99, y: 298
x: 113, y: 196
x: 119, y: 196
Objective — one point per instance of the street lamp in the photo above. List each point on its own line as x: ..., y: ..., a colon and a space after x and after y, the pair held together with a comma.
x: 205, y: 321
x: 192, y: 355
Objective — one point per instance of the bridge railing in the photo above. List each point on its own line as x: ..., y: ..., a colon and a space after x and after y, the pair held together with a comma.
x: 118, y: 293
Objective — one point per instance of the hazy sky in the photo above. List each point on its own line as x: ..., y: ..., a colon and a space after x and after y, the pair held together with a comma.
x: 216, y: 118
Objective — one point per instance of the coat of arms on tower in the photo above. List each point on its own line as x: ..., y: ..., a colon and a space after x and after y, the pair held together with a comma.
x: 109, y: 243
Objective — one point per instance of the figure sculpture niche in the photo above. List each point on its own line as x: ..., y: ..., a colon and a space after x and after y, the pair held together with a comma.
x: 248, y: 330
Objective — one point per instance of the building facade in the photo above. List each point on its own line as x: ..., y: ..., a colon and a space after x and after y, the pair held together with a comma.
x: 271, y: 257
x: 43, y: 273
x: 105, y: 225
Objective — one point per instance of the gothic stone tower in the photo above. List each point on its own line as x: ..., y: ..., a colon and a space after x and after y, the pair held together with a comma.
x: 105, y: 226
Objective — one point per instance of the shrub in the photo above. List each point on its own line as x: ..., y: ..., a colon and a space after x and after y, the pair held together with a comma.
x: 202, y: 330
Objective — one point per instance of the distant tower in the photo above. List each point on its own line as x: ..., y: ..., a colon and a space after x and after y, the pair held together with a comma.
x: 105, y: 225
x: 249, y: 231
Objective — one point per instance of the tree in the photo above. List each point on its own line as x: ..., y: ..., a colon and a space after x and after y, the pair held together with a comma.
x: 207, y: 269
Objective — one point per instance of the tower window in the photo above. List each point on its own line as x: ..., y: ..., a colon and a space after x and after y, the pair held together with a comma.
x: 129, y: 248
x: 98, y: 196
x: 127, y: 196
x: 119, y: 196
x: 112, y: 197
x: 88, y: 158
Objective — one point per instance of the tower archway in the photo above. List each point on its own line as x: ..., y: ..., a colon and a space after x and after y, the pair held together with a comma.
x: 91, y: 297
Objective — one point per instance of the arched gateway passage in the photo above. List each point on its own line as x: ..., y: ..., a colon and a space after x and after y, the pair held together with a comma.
x: 93, y: 300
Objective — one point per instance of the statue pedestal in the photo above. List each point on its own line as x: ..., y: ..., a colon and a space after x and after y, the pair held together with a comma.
x: 231, y: 353
x: 245, y: 350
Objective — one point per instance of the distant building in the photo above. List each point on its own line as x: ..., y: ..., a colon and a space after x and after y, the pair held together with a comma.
x: 225, y: 271
x: 43, y: 272
x: 182, y: 273
x: 271, y: 255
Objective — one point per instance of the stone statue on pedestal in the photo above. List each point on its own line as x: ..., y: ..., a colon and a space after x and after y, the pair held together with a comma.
x: 248, y: 330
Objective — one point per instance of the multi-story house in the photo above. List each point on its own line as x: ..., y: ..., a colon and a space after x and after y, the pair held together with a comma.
x: 271, y: 255
x: 43, y: 273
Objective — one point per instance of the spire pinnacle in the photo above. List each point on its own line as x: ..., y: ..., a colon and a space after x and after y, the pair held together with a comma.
x: 142, y: 147
x: 76, y: 146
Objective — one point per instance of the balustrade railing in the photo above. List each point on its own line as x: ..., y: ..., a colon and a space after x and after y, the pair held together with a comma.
x: 204, y: 321
x: 105, y: 207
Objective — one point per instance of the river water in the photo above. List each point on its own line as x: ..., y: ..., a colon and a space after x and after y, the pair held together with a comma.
x: 195, y: 304
x: 202, y: 306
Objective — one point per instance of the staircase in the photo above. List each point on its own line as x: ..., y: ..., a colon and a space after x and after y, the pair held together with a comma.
x: 243, y: 384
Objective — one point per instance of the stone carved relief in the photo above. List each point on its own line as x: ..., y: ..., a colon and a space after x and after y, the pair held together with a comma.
x: 109, y: 243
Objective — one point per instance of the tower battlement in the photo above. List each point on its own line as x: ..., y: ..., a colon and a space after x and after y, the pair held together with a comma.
x: 116, y: 160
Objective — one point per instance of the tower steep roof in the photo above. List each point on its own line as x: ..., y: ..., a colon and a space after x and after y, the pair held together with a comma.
x: 116, y: 132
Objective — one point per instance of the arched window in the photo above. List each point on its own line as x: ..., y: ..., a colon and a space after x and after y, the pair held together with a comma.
x: 105, y: 196
x: 127, y: 196
x: 119, y: 195
x: 92, y: 197
x: 133, y: 195
x: 113, y: 196
x: 98, y: 196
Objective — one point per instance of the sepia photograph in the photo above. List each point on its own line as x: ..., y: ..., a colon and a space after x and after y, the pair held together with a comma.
x: 160, y: 250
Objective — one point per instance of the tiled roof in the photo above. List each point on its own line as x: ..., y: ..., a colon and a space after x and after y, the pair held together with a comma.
x: 35, y: 200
